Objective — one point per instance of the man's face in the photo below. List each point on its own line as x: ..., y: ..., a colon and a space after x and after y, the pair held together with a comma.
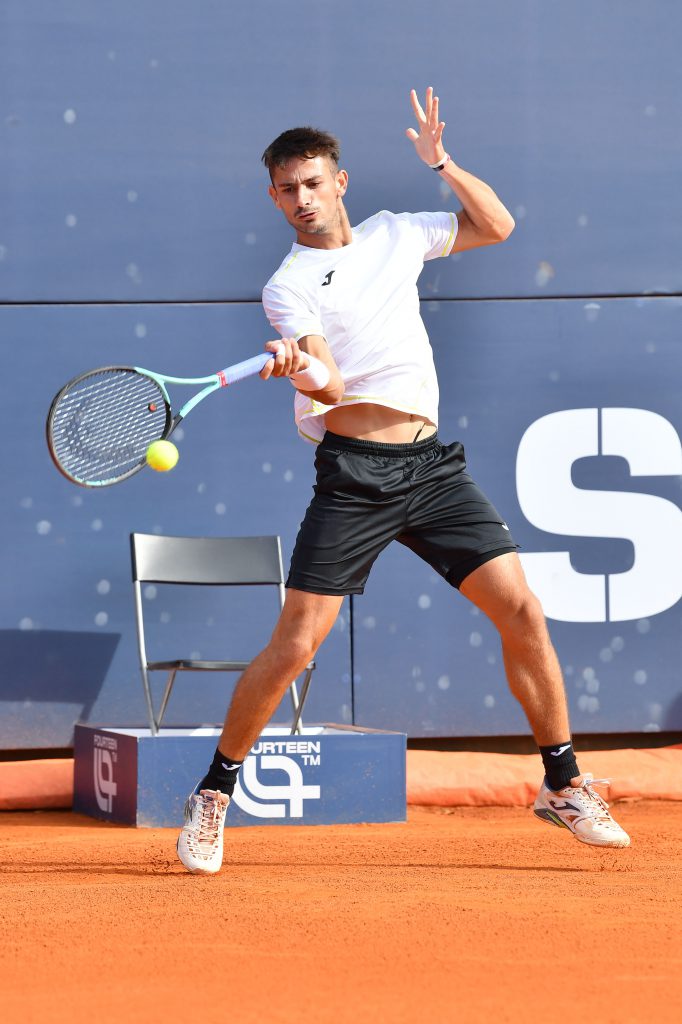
x: 309, y: 194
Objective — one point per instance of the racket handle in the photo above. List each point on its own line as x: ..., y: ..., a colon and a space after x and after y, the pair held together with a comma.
x: 247, y: 368
x: 315, y: 376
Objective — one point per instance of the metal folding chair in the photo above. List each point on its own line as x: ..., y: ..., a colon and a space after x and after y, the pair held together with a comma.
x: 207, y: 561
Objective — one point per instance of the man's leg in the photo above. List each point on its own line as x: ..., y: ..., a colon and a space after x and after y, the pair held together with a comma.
x: 499, y: 589
x: 303, y: 624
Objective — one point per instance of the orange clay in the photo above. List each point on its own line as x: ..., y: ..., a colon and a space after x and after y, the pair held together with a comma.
x: 461, y: 915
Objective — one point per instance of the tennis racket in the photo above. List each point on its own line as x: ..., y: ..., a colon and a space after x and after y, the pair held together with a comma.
x: 102, y: 422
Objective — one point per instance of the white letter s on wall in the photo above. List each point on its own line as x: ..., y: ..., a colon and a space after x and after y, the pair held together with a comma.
x: 551, y: 502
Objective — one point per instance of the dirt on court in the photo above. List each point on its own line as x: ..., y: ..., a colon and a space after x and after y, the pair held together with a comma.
x: 467, y: 915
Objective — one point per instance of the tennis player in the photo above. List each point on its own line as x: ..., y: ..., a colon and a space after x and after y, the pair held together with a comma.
x: 345, y: 302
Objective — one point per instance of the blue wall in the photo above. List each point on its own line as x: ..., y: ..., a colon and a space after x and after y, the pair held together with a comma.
x: 135, y: 227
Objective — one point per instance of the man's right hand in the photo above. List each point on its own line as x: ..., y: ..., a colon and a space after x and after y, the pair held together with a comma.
x: 287, y: 359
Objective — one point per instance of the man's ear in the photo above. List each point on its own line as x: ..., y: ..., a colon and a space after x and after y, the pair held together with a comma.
x: 341, y: 182
x: 273, y: 195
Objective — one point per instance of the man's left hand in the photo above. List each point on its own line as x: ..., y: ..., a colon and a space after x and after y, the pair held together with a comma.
x: 427, y: 141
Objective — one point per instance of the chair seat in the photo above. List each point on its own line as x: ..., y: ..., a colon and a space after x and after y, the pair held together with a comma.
x: 189, y: 664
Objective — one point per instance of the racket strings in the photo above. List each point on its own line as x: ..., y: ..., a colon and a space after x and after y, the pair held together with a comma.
x: 103, y: 424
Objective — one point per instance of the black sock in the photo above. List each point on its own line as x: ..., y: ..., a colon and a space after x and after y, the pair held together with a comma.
x: 560, y: 764
x: 222, y: 774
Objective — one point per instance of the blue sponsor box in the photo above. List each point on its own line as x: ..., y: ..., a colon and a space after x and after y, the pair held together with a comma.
x: 328, y: 775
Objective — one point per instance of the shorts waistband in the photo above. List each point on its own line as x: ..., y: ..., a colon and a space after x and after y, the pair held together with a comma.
x: 386, y: 450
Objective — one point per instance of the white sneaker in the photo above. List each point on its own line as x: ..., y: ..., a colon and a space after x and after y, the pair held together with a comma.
x: 582, y: 812
x: 200, y: 843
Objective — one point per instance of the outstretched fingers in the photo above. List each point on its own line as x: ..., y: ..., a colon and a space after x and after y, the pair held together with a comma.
x: 428, y: 138
x: 435, y: 124
x: 433, y: 119
x: 427, y: 116
x: 429, y: 105
x: 417, y: 107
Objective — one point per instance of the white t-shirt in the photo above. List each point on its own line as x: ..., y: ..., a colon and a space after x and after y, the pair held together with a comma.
x: 362, y: 298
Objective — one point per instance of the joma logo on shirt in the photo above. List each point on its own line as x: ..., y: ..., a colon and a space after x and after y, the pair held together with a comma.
x: 328, y: 278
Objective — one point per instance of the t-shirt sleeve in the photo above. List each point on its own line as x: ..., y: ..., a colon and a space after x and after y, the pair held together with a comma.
x: 289, y: 312
x: 438, y: 230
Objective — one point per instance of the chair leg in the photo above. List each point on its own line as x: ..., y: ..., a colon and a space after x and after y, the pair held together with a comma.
x: 166, y: 694
x: 295, y: 705
x: 153, y: 725
x: 297, y: 726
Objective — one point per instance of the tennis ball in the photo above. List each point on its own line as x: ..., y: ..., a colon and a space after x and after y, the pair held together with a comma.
x: 162, y: 455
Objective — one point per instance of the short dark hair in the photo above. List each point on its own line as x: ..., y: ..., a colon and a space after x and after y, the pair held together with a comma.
x: 304, y: 144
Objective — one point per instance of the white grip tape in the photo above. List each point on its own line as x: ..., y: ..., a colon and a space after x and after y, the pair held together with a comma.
x: 313, y: 378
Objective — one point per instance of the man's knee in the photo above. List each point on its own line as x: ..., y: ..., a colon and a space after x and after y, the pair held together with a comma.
x: 294, y: 651
x: 303, y: 625
x: 522, y: 614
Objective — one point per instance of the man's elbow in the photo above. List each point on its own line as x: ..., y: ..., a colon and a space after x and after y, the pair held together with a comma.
x: 503, y: 227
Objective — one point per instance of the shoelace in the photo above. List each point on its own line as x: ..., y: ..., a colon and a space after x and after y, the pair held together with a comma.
x: 209, y: 822
x: 586, y: 788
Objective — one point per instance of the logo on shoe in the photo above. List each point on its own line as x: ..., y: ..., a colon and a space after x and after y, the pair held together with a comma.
x: 260, y: 797
x: 564, y: 807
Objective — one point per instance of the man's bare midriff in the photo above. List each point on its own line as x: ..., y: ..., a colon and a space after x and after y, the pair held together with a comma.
x: 378, y: 423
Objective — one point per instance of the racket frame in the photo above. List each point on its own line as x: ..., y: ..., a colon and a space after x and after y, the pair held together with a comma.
x: 213, y: 382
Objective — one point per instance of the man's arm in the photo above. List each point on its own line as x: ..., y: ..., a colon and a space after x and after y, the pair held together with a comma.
x: 483, y: 220
x: 289, y: 312
x: 291, y: 358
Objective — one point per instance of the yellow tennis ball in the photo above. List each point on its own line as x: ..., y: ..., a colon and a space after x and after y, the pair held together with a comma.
x: 162, y: 455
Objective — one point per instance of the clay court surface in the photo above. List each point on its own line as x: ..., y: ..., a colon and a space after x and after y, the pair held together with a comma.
x: 470, y: 914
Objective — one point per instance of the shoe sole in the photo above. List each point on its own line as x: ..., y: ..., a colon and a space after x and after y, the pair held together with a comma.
x: 615, y: 844
x: 550, y: 819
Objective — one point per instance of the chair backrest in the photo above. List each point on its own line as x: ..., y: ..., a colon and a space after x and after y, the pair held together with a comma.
x: 206, y: 560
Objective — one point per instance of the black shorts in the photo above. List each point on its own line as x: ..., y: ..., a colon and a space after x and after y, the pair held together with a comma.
x: 368, y: 494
